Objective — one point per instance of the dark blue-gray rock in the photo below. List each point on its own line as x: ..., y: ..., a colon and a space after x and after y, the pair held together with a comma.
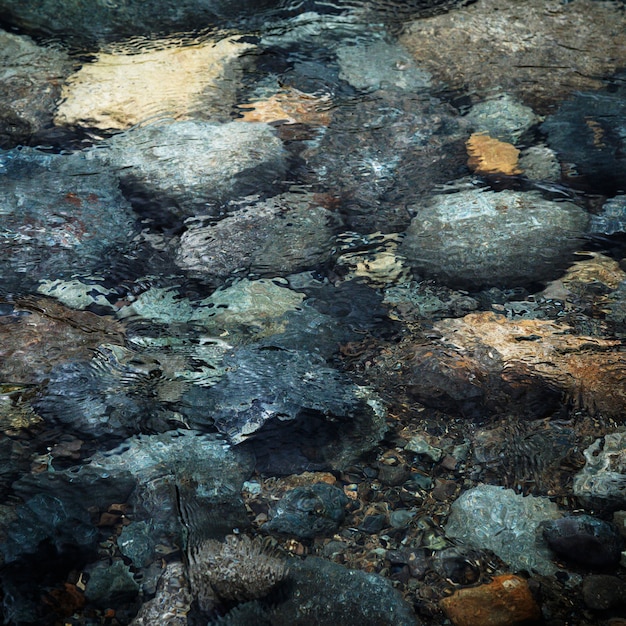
x: 584, y: 540
x: 283, y: 235
x: 307, y: 512
x: 61, y: 214
x: 87, y: 23
x: 111, y: 585
x: 373, y: 524
x: 382, y: 152
x: 30, y: 83
x: 190, y: 168
x: 475, y: 238
x: 602, y: 592
x: 136, y: 542
x: 322, y: 593
x: 293, y: 411
x: 588, y: 133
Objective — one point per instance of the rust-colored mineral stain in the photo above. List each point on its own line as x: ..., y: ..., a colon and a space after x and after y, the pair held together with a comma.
x: 491, y: 156
x: 505, y: 601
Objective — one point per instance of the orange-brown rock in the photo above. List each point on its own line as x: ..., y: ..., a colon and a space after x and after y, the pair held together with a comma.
x: 492, y: 156
x: 506, y: 601
x: 289, y: 106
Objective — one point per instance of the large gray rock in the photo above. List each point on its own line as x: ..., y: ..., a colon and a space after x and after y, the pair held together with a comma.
x: 187, y: 167
x: 492, y: 518
x: 30, y: 83
x: 475, y: 238
x: 279, y: 236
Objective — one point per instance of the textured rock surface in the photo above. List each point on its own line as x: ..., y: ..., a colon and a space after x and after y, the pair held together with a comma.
x: 482, y: 238
x: 531, y: 49
x: 506, y: 601
x: 118, y: 90
x: 60, y: 214
x: 497, y: 519
x: 187, y: 167
x: 30, y: 83
x: 282, y: 235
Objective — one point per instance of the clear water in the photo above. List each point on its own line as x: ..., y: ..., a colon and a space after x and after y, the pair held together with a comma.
x: 219, y: 265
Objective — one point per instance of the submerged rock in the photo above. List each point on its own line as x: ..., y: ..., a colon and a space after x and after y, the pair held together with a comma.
x: 308, y: 511
x: 471, y: 49
x: 587, y: 133
x: 492, y: 518
x: 87, y: 23
x: 477, y: 238
x: 111, y: 585
x: 611, y: 219
x: 321, y: 593
x: 61, y: 214
x: 381, y: 152
x: 602, y: 482
x: 295, y: 412
x: 30, y: 81
x: 585, y: 540
x: 283, y: 235
x: 188, y: 167
x: 125, y: 87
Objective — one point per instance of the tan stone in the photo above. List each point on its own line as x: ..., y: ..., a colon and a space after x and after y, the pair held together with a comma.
x: 506, y: 601
x: 491, y: 156
x: 118, y: 90
x: 539, y: 50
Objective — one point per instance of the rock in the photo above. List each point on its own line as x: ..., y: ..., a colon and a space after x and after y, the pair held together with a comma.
x: 190, y: 166
x: 111, y: 585
x: 619, y: 519
x: 62, y: 213
x: 283, y: 235
x: 401, y: 518
x: 584, y: 540
x: 41, y: 334
x: 271, y: 396
x: 168, y: 80
x: 602, y: 481
x: 587, y: 135
x: 403, y: 147
x: 30, y: 81
x: 308, y: 512
x: 540, y: 163
x: 530, y: 239
x: 85, y: 24
x: 136, y: 543
x: 380, y: 65
x: 501, y: 117
x: 321, y: 593
x: 172, y: 601
x: 611, y: 219
x: 602, y: 592
x: 458, y: 565
x: 492, y: 518
x: 492, y: 157
x: 471, y: 49
x: 506, y: 601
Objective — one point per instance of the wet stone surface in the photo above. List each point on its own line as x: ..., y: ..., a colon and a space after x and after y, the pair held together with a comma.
x: 312, y: 313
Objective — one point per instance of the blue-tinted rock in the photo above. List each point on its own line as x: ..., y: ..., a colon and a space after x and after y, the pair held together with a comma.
x: 307, y: 512
x: 585, y: 540
x: 111, y: 585
x: 492, y: 518
x: 475, y: 238
x: 295, y: 412
x: 189, y: 168
x: 611, y: 219
x: 61, y: 214
x: 589, y: 132
x: 136, y: 542
x: 321, y: 593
